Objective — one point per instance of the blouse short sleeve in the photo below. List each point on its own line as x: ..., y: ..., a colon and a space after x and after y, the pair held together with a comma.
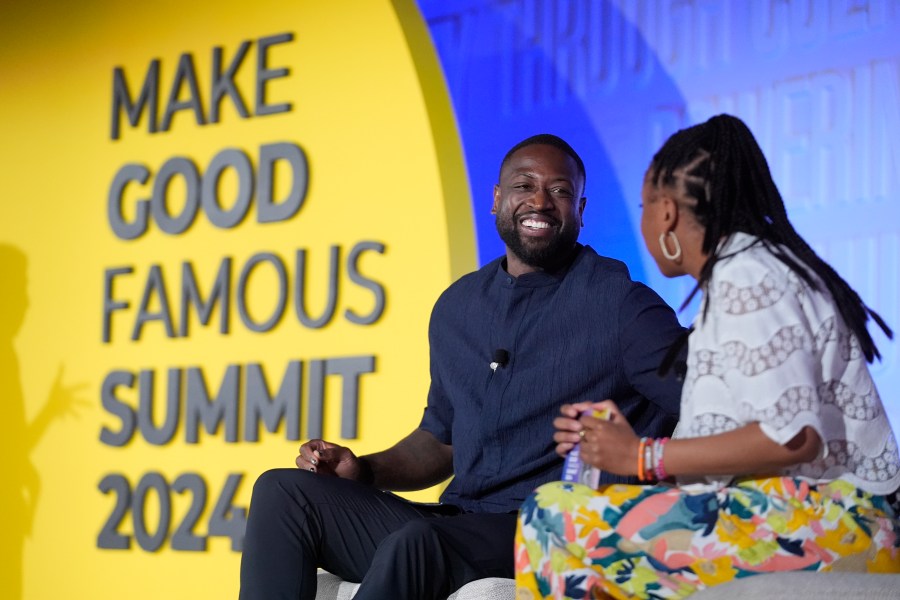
x: 773, y: 350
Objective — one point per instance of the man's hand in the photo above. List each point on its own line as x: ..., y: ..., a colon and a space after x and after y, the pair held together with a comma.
x: 326, y: 458
x: 414, y: 463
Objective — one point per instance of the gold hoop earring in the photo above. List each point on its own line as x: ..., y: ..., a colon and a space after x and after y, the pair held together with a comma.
x: 665, y: 251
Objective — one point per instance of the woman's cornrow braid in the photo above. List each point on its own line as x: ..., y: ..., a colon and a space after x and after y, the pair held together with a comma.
x: 721, y: 167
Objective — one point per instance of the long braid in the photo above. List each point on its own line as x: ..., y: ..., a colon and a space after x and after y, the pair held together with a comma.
x: 721, y: 167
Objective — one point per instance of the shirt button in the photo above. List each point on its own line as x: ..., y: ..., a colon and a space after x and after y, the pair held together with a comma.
x: 509, y: 280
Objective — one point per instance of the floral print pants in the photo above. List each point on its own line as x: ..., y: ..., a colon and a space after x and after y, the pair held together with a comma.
x: 631, y: 541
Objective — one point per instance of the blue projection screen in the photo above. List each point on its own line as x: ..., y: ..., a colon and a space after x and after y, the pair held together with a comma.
x: 818, y: 82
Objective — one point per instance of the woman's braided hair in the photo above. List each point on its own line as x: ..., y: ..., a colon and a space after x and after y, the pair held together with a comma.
x: 721, y: 167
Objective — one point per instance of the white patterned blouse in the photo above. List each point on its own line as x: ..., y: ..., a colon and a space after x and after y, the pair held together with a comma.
x: 774, y: 351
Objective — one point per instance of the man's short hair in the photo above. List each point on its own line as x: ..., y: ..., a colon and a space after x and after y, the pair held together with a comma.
x: 548, y: 139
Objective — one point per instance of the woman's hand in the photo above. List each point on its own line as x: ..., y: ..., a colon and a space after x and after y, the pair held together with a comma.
x: 568, y: 426
x: 610, y: 445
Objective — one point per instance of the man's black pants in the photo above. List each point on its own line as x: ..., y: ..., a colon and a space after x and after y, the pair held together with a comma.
x: 398, y: 549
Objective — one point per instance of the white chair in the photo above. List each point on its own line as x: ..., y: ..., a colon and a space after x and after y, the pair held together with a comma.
x: 803, y: 585
x: 807, y: 585
x: 332, y: 587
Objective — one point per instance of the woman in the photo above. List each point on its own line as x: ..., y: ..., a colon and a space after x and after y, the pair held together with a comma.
x: 783, y: 459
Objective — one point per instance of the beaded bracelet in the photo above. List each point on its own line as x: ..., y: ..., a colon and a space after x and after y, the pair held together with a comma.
x: 659, y: 468
x: 648, y: 460
x: 640, y: 466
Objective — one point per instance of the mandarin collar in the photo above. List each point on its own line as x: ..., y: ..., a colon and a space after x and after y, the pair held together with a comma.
x: 537, y: 278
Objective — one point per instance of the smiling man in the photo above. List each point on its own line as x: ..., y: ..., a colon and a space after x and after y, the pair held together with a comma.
x: 538, y: 203
x: 549, y: 323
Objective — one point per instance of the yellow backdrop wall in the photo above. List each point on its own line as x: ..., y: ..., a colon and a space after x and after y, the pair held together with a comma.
x: 222, y: 229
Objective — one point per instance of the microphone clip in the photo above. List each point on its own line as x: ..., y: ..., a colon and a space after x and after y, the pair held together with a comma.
x: 500, y: 358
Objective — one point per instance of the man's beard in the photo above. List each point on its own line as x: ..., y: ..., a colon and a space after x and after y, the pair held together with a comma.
x: 541, y: 254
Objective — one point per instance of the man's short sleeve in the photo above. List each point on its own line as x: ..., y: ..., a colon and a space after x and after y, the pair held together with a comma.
x: 648, y: 329
x: 438, y: 417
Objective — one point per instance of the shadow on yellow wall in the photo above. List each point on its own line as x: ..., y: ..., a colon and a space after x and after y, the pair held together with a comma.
x: 21, y: 484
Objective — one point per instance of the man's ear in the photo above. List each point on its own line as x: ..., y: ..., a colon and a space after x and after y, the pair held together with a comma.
x: 581, y: 204
x: 496, y: 204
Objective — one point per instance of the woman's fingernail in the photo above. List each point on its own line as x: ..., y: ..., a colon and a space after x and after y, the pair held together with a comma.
x: 313, y: 461
x: 313, y: 469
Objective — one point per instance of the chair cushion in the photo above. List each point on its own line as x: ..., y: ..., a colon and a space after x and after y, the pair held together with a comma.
x: 332, y: 587
x: 490, y: 588
x: 803, y: 585
x: 807, y: 585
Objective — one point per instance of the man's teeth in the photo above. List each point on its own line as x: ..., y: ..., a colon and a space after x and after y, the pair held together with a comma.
x: 536, y: 224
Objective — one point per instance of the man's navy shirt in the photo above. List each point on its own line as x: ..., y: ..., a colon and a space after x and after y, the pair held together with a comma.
x: 586, y: 333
